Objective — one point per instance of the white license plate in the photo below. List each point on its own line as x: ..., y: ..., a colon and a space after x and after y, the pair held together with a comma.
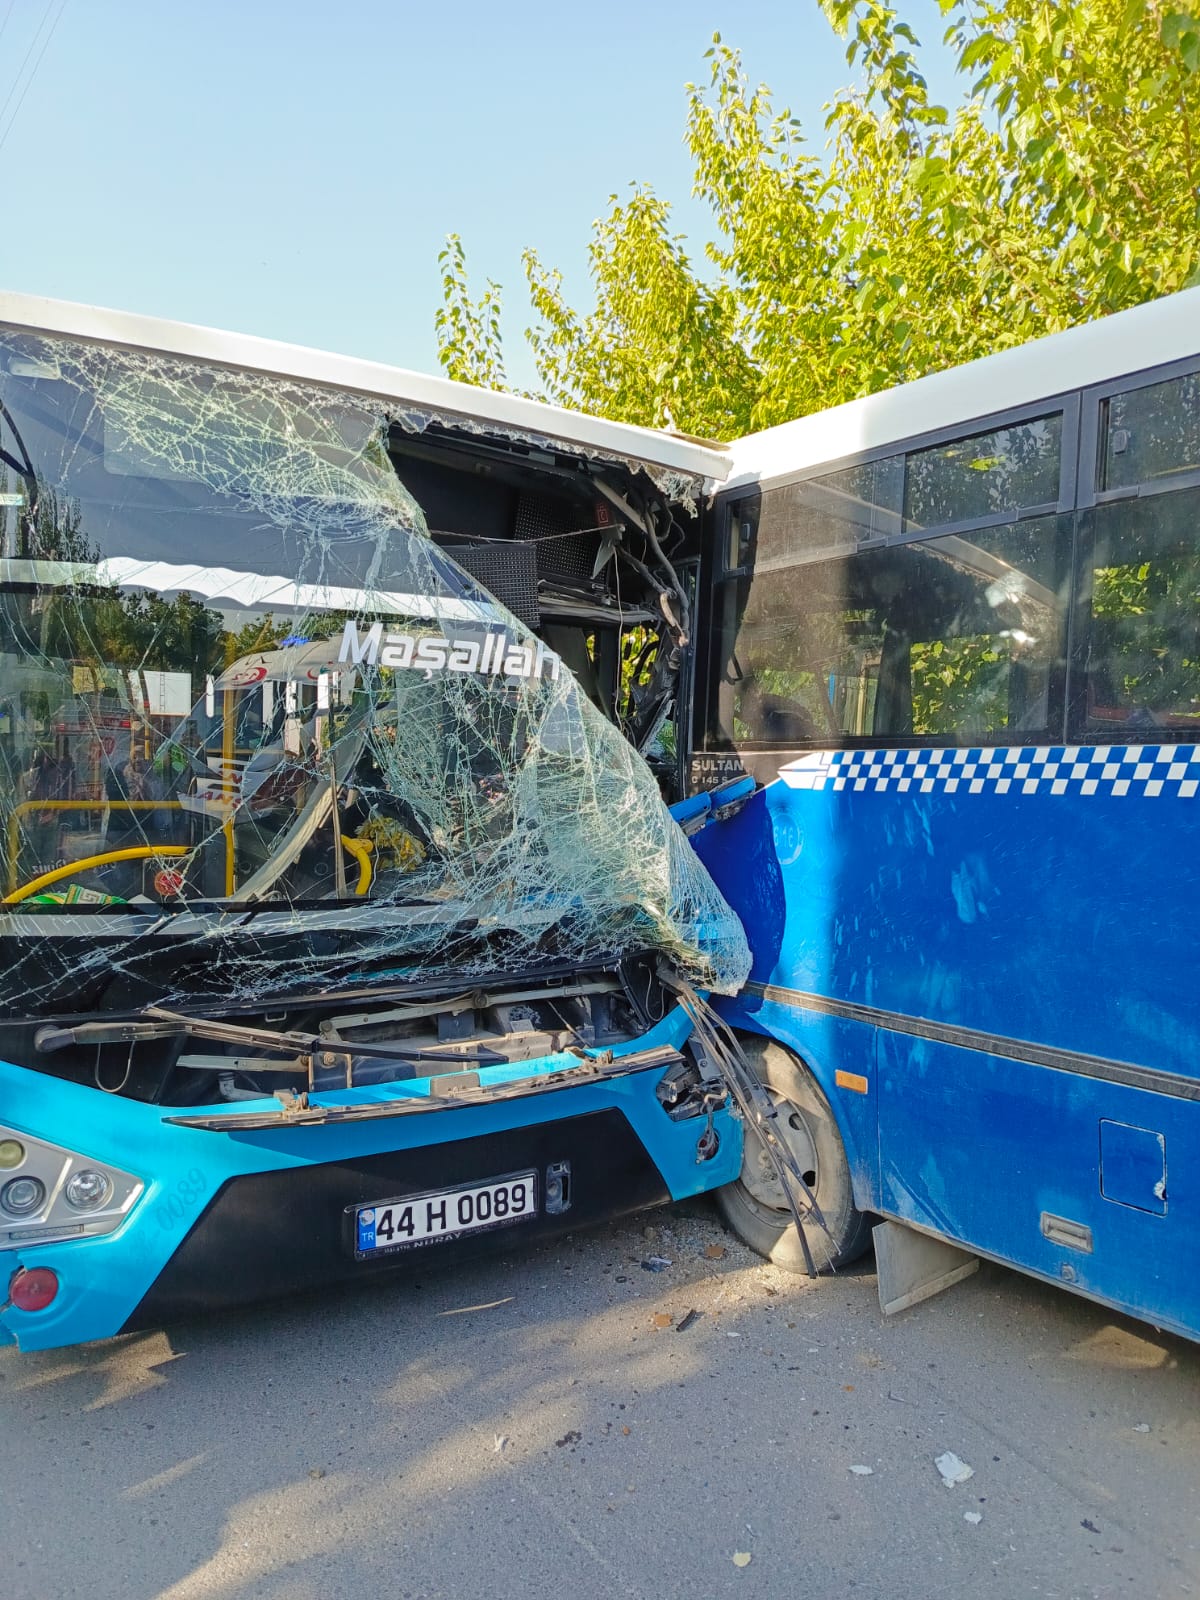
x: 418, y: 1219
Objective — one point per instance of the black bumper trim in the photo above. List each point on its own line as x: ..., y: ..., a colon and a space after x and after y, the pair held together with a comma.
x: 271, y: 1234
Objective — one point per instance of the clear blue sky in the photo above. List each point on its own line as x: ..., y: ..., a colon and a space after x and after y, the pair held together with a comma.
x: 292, y: 170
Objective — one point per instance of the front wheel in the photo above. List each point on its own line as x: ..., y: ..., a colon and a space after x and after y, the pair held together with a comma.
x: 755, y: 1206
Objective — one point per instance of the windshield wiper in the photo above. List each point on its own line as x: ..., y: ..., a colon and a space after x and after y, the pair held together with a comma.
x: 301, y: 1109
x: 170, y: 1024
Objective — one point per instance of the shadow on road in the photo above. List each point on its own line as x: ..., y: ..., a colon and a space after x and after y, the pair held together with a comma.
x: 537, y: 1426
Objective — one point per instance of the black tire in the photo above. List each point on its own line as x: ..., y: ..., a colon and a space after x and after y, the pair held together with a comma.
x: 754, y: 1207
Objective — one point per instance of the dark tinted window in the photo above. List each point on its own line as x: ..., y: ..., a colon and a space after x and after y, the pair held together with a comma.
x: 1152, y: 433
x: 984, y: 475
x: 955, y: 638
x: 1143, y: 650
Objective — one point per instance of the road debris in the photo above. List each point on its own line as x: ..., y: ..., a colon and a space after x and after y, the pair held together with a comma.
x: 656, y: 1264
x: 713, y: 1252
x: 662, y: 1319
x: 486, y: 1305
x: 572, y: 1436
x: 862, y: 1472
x: 973, y: 1517
x: 1089, y: 1525
x: 953, y: 1470
x: 501, y: 1439
x: 1141, y: 1427
x: 742, y: 1558
x: 686, y: 1322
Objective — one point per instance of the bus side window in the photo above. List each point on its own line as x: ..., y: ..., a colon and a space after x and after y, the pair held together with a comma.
x: 982, y: 616
x: 958, y: 637
x: 1143, y: 652
x: 1151, y: 434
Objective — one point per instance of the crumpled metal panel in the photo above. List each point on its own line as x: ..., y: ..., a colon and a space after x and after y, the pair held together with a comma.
x: 674, y: 483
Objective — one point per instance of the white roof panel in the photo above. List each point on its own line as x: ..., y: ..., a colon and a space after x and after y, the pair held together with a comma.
x: 1111, y: 347
x: 1124, y: 343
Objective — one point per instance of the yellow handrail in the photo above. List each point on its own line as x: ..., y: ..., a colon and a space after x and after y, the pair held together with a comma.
x: 136, y: 853
x: 361, y: 849
x: 18, y: 811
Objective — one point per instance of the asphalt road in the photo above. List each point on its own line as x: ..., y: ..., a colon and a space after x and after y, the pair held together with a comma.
x: 524, y: 1429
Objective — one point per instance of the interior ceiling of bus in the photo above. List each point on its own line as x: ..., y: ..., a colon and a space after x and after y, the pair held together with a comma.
x: 534, y: 828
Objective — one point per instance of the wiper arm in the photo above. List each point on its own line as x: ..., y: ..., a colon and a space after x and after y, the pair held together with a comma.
x: 296, y: 1109
x: 170, y: 1024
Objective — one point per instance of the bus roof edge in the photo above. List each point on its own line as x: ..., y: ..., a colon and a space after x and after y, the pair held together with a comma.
x: 1125, y: 342
x: 448, y: 397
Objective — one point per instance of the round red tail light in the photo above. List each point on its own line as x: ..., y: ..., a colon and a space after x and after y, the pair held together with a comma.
x: 33, y: 1289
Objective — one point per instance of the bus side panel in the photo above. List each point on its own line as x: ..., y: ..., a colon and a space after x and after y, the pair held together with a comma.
x: 1066, y: 920
x: 1025, y: 1164
x: 1048, y: 909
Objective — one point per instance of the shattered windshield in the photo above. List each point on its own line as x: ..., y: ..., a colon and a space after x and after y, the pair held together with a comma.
x: 243, y: 696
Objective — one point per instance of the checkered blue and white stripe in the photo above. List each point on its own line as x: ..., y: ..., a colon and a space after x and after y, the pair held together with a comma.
x: 1150, y: 771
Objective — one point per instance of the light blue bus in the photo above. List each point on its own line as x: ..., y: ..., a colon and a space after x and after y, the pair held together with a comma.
x: 344, y: 923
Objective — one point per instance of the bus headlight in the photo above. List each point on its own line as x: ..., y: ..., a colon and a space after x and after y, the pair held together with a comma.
x: 87, y: 1189
x: 21, y: 1197
x: 58, y: 1194
x: 12, y: 1153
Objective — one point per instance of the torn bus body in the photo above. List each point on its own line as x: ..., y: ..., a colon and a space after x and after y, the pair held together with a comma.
x: 336, y: 747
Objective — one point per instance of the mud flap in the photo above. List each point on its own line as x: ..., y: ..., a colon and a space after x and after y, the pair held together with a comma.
x: 913, y: 1267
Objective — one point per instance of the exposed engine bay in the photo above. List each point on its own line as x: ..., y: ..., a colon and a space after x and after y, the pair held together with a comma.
x: 448, y: 1047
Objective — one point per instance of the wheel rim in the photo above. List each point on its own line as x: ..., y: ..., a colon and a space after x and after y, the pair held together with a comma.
x: 759, y: 1178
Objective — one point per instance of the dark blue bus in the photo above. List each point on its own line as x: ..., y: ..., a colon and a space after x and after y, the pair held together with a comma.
x: 954, y: 632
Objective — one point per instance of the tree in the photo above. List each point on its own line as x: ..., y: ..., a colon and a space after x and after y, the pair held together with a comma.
x: 469, y: 343
x: 1063, y: 187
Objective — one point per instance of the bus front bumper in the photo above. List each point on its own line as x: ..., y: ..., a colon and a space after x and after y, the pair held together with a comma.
x: 229, y: 1217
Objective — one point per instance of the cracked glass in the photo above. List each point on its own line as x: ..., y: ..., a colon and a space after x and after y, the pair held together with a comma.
x: 257, y: 730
